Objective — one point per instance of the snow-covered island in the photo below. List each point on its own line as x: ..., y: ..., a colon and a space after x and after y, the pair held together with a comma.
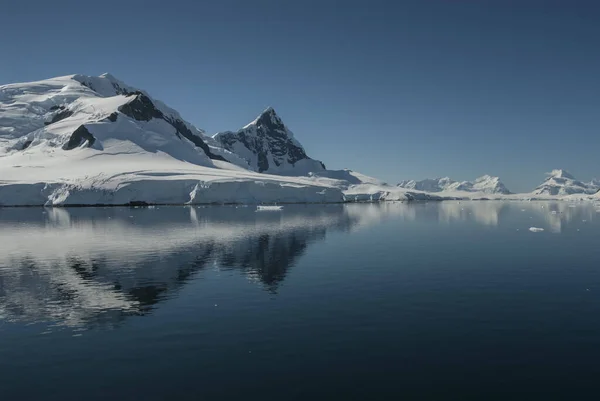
x: 82, y: 140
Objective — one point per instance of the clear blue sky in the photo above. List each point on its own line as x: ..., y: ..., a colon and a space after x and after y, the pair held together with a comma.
x: 394, y: 89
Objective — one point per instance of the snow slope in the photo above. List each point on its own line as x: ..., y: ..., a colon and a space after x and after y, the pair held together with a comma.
x: 95, y: 140
x: 268, y: 146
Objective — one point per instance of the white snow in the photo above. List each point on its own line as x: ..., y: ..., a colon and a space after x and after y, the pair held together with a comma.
x: 483, y: 185
x: 561, y: 182
x: 535, y: 229
x: 262, y: 208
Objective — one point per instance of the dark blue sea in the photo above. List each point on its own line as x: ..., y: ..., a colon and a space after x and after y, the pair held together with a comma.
x: 391, y: 301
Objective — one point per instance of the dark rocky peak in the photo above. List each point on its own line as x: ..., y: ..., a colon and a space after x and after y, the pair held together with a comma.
x: 269, y: 120
x: 141, y: 108
x: 270, y: 140
x: 78, y: 137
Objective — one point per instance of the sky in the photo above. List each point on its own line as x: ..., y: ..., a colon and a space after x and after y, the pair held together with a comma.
x: 393, y: 89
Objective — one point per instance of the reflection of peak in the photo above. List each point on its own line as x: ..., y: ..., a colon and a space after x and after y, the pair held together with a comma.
x: 70, y: 267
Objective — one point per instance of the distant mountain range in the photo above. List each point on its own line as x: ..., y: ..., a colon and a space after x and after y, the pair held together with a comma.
x: 558, y: 183
x: 485, y: 184
x: 561, y: 182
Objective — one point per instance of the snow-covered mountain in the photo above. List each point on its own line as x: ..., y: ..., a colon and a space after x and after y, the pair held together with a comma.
x: 594, y: 185
x: 561, y: 182
x: 96, y: 140
x: 485, y: 184
x: 268, y: 146
x: 102, y: 112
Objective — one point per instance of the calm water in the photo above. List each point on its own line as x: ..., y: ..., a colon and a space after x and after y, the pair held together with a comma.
x: 436, y: 301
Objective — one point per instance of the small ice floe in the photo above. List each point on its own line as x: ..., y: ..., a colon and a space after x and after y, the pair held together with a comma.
x: 584, y: 221
x: 263, y: 208
x: 536, y: 229
x: 522, y: 210
x: 553, y: 212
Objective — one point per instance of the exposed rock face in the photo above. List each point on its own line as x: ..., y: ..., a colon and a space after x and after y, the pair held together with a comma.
x: 78, y: 137
x: 113, y: 117
x: 60, y: 115
x: 269, y: 146
x: 141, y: 108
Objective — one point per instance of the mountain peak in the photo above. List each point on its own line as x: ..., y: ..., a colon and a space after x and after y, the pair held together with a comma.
x: 485, y: 184
x: 268, y: 118
x: 269, y: 146
x: 561, y: 173
x: 108, y: 76
x: 269, y: 110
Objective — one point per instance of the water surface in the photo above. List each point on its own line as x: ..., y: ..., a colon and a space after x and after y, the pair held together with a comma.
x: 427, y: 301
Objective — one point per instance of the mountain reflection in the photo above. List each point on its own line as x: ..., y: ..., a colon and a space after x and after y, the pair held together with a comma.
x: 94, y: 267
x: 88, y: 267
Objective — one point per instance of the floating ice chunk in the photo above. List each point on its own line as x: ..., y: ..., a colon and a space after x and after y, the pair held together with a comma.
x: 268, y: 208
x: 536, y: 229
x: 554, y: 212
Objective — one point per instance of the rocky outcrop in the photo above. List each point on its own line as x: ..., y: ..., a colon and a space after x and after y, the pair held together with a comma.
x: 78, y: 137
x: 141, y: 108
x: 61, y: 114
x: 269, y: 146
